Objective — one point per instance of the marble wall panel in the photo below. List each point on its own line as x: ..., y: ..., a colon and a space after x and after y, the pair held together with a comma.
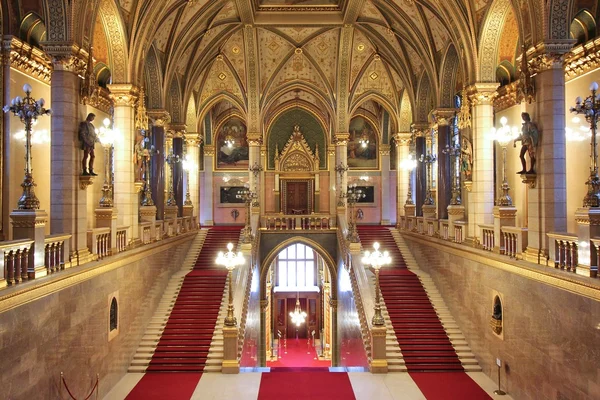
x: 550, y: 347
x: 67, y: 331
x: 252, y: 329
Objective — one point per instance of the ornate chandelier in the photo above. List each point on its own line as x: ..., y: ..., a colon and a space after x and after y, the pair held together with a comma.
x: 298, y: 316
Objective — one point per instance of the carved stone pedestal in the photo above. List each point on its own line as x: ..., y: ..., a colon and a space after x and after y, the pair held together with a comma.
x: 503, y: 216
x: 106, y: 217
x: 148, y: 214
x: 455, y: 213
x: 588, y: 226
x: 429, y: 211
x: 379, y: 364
x: 410, y: 210
x: 230, y: 364
x: 30, y: 224
x: 171, y: 212
x: 188, y: 211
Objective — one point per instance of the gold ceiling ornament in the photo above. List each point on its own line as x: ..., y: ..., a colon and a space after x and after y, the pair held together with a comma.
x: 525, y: 85
x: 464, y: 114
x: 141, y: 116
x: 89, y: 88
x: 360, y: 47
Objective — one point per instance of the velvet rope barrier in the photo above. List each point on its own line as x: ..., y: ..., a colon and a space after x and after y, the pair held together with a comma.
x: 94, y: 389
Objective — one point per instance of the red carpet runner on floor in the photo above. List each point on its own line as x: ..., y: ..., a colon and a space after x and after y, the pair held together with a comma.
x: 298, y: 353
x: 184, y: 344
x: 305, y: 385
x: 421, y: 336
x: 165, y: 386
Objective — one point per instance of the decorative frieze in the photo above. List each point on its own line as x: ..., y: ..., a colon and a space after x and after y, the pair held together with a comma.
x: 507, y: 96
x: 582, y: 59
x: 27, y: 59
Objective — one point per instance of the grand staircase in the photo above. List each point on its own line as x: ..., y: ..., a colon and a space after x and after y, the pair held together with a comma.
x: 429, y: 338
x: 183, y: 336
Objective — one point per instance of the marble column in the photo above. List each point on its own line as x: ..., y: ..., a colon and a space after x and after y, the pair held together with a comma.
x: 547, y: 202
x: 335, y: 348
x: 193, y: 142
x: 386, y: 202
x: 171, y: 209
x: 206, y: 203
x: 159, y: 119
x: 68, y: 208
x: 420, y: 187
x: 402, y: 140
x: 481, y: 202
x: 333, y: 176
x: 126, y: 197
x: 445, y: 175
x: 254, y: 177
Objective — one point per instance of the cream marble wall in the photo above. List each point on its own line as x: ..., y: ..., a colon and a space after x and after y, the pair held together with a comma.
x: 550, y: 347
x: 250, y: 351
x: 67, y: 331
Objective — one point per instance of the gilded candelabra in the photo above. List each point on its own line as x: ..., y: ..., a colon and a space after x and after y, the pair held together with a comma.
x: 28, y: 110
x: 429, y: 160
x: 377, y: 259
x: 409, y: 164
x: 248, y: 197
x: 590, y: 107
x: 256, y: 169
x: 504, y: 135
x: 230, y: 260
x: 353, y: 195
x: 341, y: 170
x: 172, y: 159
x: 107, y: 137
x: 453, y: 150
x: 149, y: 151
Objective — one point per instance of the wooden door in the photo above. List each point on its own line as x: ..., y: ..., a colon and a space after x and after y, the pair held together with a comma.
x: 297, y: 198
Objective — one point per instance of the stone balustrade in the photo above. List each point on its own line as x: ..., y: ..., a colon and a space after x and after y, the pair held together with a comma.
x: 562, y: 250
x: 514, y: 241
x: 444, y: 229
x: 307, y: 222
x: 17, y: 256
x: 122, y: 238
x: 99, y: 242
x: 55, y: 249
x: 486, y: 233
x: 146, y: 232
x: 460, y: 227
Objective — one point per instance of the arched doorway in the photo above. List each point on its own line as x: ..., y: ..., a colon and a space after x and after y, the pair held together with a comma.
x: 299, y: 322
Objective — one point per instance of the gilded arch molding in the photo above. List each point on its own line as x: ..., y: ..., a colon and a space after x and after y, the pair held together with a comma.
x: 268, y: 260
x: 448, y: 79
x: 559, y: 19
x: 490, y: 39
x: 57, y: 24
x: 115, y: 31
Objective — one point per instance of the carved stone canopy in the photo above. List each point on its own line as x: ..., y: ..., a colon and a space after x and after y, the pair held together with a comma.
x: 296, y: 155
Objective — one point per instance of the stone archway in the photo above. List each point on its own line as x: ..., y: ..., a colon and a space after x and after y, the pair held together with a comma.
x: 265, y: 265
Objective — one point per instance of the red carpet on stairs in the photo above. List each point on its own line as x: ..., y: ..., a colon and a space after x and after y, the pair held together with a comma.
x: 305, y: 385
x: 421, y: 336
x: 165, y: 386
x: 186, y: 339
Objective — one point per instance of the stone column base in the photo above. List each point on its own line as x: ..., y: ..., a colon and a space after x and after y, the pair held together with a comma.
x: 429, y: 211
x: 230, y: 364
x: 379, y: 364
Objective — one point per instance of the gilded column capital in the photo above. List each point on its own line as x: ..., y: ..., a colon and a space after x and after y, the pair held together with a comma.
x: 209, y: 150
x: 66, y: 56
x: 123, y: 94
x: 176, y: 130
x: 341, y: 138
x: 402, y: 138
x: 254, y: 138
x: 384, y: 150
x: 159, y: 117
x: 482, y: 93
x: 193, y: 139
x: 420, y: 129
x: 550, y: 55
x: 443, y: 116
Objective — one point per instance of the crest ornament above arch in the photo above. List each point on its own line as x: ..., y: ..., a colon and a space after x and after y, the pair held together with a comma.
x: 296, y: 155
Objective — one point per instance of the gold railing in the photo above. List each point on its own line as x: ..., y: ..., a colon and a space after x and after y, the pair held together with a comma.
x: 17, y: 257
x: 309, y: 222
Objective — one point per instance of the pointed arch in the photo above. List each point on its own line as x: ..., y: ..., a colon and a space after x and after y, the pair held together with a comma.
x: 175, y: 106
x: 191, y: 119
x: 153, y: 79
x: 57, y: 21
x: 423, y: 99
x: 406, y: 114
x: 449, y: 76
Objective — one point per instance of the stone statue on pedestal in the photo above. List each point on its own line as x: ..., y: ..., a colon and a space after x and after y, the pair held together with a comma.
x: 529, y: 141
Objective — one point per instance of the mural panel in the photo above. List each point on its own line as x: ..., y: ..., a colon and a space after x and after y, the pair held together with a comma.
x: 232, y: 146
x: 362, y: 144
